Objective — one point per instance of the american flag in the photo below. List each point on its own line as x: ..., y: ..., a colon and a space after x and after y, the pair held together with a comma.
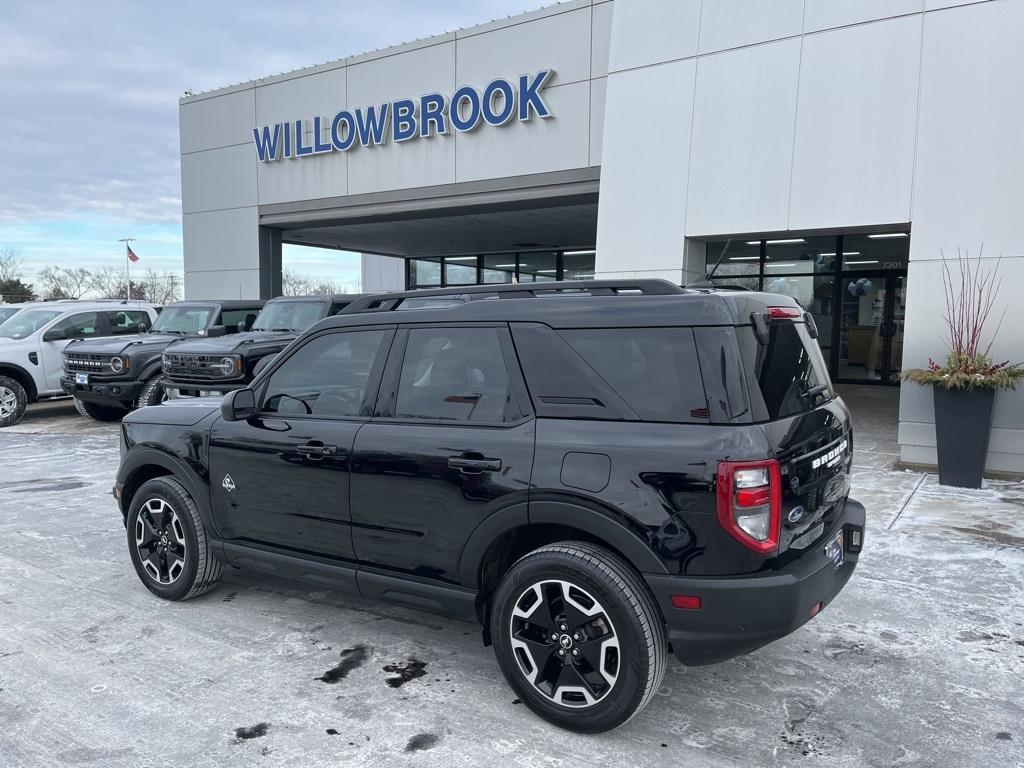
x: 131, y: 254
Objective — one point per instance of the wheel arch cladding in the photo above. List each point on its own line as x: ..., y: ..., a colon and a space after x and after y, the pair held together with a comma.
x: 21, y: 376
x: 146, y: 464
x: 511, y: 533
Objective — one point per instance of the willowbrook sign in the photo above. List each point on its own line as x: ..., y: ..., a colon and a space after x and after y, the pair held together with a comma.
x: 405, y: 119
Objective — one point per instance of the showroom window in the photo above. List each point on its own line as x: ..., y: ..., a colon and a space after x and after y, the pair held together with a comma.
x: 499, y: 268
x: 852, y: 285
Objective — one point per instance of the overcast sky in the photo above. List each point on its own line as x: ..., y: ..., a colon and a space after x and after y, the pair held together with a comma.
x: 89, y: 108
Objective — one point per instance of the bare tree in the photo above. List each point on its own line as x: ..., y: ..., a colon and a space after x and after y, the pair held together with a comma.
x: 162, y: 287
x: 109, y: 283
x: 65, y: 282
x: 297, y: 284
x: 10, y: 265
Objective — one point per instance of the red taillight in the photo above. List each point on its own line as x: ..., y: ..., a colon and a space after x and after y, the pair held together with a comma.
x: 750, y: 502
x: 688, y: 602
x: 784, y: 312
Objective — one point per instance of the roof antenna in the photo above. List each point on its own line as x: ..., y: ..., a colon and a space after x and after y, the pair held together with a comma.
x: 705, y: 282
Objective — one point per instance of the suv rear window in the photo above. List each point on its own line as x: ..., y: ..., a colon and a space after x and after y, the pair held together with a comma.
x: 781, y: 373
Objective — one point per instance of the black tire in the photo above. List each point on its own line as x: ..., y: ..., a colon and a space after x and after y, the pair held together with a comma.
x: 153, y: 393
x: 99, y: 412
x: 627, y: 633
x: 13, y: 401
x: 199, y: 570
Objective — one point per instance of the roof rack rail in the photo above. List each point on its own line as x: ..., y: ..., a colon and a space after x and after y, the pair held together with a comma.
x: 461, y: 294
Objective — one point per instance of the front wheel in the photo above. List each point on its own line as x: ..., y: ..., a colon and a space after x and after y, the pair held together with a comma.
x: 153, y: 393
x: 168, y: 543
x: 578, y: 636
x: 99, y: 412
x: 13, y: 401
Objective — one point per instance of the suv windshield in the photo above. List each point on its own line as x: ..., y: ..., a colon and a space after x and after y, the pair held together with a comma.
x: 26, y: 323
x: 189, y: 320
x: 289, y: 315
x: 787, y: 375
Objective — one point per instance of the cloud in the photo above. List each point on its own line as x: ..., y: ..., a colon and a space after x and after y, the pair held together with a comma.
x: 90, y: 101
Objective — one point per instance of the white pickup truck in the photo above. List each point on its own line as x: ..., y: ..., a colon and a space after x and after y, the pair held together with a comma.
x: 32, y: 340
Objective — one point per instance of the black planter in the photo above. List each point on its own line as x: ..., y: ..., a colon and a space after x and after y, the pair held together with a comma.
x: 963, y: 421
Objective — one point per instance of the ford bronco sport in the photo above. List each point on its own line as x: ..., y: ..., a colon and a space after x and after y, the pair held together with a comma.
x: 597, y: 472
x: 216, y: 365
x: 109, y: 377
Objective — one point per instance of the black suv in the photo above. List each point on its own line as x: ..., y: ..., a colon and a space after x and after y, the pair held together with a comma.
x: 596, y: 472
x: 108, y: 377
x: 194, y: 367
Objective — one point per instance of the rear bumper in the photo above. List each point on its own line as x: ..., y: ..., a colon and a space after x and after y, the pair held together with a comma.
x: 740, y: 614
x: 103, y: 392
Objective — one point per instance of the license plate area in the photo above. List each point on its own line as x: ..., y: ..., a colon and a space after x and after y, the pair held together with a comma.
x: 834, y: 549
x: 81, y: 378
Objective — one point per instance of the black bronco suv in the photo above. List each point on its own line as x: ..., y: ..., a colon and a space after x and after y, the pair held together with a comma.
x: 204, y: 366
x: 108, y: 377
x: 597, y: 472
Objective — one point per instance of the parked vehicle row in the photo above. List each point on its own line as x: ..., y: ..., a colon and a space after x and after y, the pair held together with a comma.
x: 112, y: 357
x: 33, y: 339
x: 598, y: 473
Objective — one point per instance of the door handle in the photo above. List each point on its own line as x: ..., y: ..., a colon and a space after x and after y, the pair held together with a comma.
x: 473, y: 466
x: 316, y: 450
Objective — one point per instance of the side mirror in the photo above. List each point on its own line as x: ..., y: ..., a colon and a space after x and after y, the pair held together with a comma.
x: 55, y: 334
x: 216, y: 330
x: 238, y: 405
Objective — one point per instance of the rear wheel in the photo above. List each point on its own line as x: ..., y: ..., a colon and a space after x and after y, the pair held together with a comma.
x: 153, y: 393
x: 168, y: 542
x: 99, y: 412
x: 13, y: 401
x: 578, y: 636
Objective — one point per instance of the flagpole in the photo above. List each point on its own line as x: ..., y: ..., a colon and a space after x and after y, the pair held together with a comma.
x: 127, y: 267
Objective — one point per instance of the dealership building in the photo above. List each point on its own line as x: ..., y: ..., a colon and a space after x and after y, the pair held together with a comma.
x: 831, y: 150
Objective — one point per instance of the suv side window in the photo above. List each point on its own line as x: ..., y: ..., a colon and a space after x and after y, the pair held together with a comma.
x: 230, y: 318
x: 127, y: 321
x: 328, y: 376
x: 655, y: 370
x: 81, y: 325
x: 455, y: 375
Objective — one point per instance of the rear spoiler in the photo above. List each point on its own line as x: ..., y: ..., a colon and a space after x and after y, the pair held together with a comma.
x: 762, y: 320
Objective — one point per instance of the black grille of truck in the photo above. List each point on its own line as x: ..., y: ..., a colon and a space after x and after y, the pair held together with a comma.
x: 86, y: 363
x: 191, y: 366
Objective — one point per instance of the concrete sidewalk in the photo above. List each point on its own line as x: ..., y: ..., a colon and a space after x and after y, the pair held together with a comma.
x: 920, y: 661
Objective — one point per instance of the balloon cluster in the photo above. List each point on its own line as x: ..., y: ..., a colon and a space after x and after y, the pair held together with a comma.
x: 861, y: 287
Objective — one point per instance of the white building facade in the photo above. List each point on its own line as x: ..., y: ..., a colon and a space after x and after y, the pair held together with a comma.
x: 828, y: 149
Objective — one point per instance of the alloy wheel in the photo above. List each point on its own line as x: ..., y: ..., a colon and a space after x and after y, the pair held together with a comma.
x: 564, y: 643
x: 160, y: 541
x: 8, y: 402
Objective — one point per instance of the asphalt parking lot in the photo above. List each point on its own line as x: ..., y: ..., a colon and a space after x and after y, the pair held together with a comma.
x: 920, y: 662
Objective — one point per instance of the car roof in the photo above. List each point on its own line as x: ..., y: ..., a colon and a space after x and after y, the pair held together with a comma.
x: 222, y: 303
x: 579, y: 304
x: 332, y: 297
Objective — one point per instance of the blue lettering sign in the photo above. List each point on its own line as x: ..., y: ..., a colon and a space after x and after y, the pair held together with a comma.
x: 433, y: 114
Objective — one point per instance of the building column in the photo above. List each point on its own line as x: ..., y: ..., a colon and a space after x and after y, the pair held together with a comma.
x: 270, y: 262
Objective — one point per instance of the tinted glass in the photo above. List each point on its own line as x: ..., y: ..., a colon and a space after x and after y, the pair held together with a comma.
x: 740, y: 258
x: 538, y: 267
x: 327, y: 377
x: 578, y: 265
x: 454, y: 374
x: 460, y: 270
x: 799, y: 255
x: 230, y: 318
x: 885, y: 250
x: 424, y: 273
x: 27, y: 322
x: 290, y: 315
x: 191, y: 320
x: 6, y: 312
x: 128, y: 321
x: 80, y: 325
x: 781, y: 372
x: 499, y: 269
x: 655, y: 370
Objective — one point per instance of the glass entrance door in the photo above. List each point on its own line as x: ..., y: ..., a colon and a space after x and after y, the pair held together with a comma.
x: 871, y: 328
